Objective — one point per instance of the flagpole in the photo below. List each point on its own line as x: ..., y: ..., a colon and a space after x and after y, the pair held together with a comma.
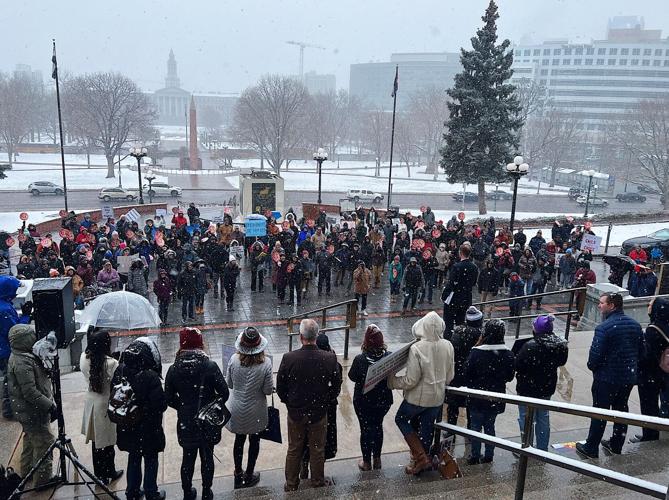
x: 54, y: 74
x: 392, y: 136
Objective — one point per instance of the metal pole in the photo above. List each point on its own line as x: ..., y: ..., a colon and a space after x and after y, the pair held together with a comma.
x: 608, y: 237
x: 392, y: 137
x: 60, y: 128
x: 119, y: 169
x: 139, y: 180
x: 587, y: 198
x: 496, y: 195
x: 513, y: 202
x: 571, y: 304
x: 324, y: 318
x: 346, y: 338
x: 320, y: 165
x: 528, y: 436
x: 150, y: 190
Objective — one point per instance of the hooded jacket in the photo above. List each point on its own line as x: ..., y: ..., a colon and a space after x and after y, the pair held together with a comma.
x: 431, y: 364
x: 654, y: 343
x: 489, y: 367
x: 8, y: 315
x: 537, y: 364
x: 29, y: 384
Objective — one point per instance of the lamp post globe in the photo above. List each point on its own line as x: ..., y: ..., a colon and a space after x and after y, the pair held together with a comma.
x: 139, y: 152
x: 516, y: 170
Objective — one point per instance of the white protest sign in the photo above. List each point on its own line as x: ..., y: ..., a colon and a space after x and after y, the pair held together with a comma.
x: 384, y: 367
x: 591, y: 242
x: 133, y: 216
x: 107, y: 212
x: 124, y: 262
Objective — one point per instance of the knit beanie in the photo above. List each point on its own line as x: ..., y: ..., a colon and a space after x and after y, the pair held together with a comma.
x: 373, y: 338
x: 473, y: 314
x: 190, y: 338
x: 543, y: 325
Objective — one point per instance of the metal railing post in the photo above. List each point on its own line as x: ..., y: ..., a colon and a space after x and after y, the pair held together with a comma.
x: 290, y: 337
x: 567, y: 328
x: 528, y: 437
x: 518, y: 327
x: 352, y: 314
x: 324, y: 318
x: 608, y: 237
x: 346, y: 338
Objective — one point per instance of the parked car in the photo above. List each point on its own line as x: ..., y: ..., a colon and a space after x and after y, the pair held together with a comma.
x: 575, y: 192
x: 44, y: 187
x: 162, y: 189
x: 642, y: 188
x: 498, y: 194
x: 117, y: 193
x: 630, y: 197
x: 469, y: 196
x: 594, y: 201
x: 660, y: 237
x: 364, y: 195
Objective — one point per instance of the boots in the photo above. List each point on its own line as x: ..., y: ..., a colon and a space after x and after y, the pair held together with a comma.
x: 364, y: 466
x: 421, y: 460
x: 376, y: 463
x: 239, y: 479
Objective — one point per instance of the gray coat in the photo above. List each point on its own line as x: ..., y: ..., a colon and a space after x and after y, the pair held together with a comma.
x: 249, y: 387
x: 137, y: 283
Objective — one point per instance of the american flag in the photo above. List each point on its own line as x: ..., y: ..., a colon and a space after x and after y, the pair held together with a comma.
x: 395, y: 83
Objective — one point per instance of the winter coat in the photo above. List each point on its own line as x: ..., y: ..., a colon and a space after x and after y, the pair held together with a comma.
x: 8, y: 315
x: 143, y: 374
x: 413, y: 277
x: 324, y: 262
x: 535, y: 244
x: 202, y: 280
x: 489, y: 367
x: 654, y: 344
x: 464, y: 338
x: 378, y: 397
x: 527, y: 266
x: 187, y: 283
x: 29, y: 383
x: 537, y: 363
x: 95, y: 424
x: 642, y: 284
x: 110, y: 278
x: 362, y: 280
x: 163, y: 289
x: 489, y: 280
x: 615, y: 349
x: 191, y: 370
x: 443, y: 259
x: 230, y: 275
x: 249, y: 387
x: 567, y: 265
x: 137, y: 283
x: 461, y: 279
x: 308, y: 381
x: 430, y: 367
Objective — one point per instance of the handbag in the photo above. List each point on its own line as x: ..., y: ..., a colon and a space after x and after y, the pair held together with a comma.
x: 211, y: 417
x: 273, y: 430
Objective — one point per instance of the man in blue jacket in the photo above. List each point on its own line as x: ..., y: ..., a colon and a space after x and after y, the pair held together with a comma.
x: 8, y: 318
x: 613, y: 360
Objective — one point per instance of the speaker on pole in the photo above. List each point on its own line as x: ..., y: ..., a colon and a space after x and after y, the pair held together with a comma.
x: 53, y: 309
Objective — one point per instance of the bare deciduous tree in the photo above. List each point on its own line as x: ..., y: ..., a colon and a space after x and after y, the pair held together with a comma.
x: 428, y: 114
x: 375, y: 134
x: 561, y: 130
x: 269, y: 118
x: 108, y: 110
x: 20, y: 100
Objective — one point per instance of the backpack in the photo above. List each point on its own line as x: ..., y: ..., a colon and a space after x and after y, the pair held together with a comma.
x: 123, y: 408
x: 9, y: 480
x: 664, y: 356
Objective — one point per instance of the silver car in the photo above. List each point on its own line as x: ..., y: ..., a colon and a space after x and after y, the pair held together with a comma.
x: 117, y: 193
x: 44, y: 187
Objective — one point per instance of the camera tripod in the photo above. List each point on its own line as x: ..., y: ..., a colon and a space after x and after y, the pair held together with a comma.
x: 65, y: 451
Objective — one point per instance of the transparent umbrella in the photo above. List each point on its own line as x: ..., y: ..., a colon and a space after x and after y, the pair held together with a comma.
x: 120, y: 311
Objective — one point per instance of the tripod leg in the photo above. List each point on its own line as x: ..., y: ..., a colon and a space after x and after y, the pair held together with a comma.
x: 17, y: 492
x: 81, y: 467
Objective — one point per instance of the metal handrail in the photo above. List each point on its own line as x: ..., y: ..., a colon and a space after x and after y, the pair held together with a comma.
x: 531, y: 296
x: 526, y: 450
x: 324, y: 308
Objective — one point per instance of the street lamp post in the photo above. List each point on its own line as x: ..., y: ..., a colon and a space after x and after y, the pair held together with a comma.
x: 150, y: 178
x: 591, y: 174
x: 516, y: 170
x: 320, y: 156
x: 139, y: 152
x: 496, y: 196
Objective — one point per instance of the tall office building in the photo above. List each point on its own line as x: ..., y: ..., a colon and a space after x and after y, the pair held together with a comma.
x: 320, y: 84
x: 373, y: 82
x: 602, y: 79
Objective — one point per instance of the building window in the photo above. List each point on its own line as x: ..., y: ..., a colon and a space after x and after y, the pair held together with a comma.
x: 556, y: 62
x: 542, y: 82
x: 537, y: 52
x: 656, y: 62
x: 600, y: 62
x: 557, y: 52
x: 547, y: 52
x: 544, y: 72
x: 666, y: 53
x: 566, y: 62
x: 636, y: 52
x: 658, y: 52
x: 624, y: 52
x: 590, y: 51
x: 517, y: 53
x: 526, y: 53
x: 611, y: 62
x: 588, y: 62
x: 645, y: 62
x: 613, y: 52
x: 635, y: 62
x: 601, y: 51
x: 623, y: 62
x: 567, y: 52
x: 647, y: 52
x: 666, y: 62
x: 577, y: 62
x: 535, y: 61
x: 544, y: 62
x: 579, y: 51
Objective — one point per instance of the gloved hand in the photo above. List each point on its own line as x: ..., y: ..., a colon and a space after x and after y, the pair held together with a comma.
x: 27, y: 308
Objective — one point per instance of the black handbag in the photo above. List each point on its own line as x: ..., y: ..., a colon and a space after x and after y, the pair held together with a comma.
x: 211, y: 417
x: 273, y: 430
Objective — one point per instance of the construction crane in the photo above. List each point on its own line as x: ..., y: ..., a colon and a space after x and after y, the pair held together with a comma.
x: 302, y: 45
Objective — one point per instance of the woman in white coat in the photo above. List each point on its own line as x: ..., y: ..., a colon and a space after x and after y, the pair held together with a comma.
x: 98, y: 367
x: 249, y: 378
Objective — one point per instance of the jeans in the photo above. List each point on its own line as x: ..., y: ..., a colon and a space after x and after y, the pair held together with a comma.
x: 324, y: 277
x: 422, y: 416
x: 428, y: 288
x: 187, y: 305
x: 482, y: 420
x: 163, y: 309
x: 299, y: 431
x: 395, y: 288
x: 377, y: 271
x: 537, y: 287
x: 257, y: 275
x: 206, y: 466
x: 295, y: 289
x: 528, y: 286
x: 134, y: 475
x: 410, y: 294
x: 199, y: 300
x: 649, y: 397
x: 6, y: 402
x: 362, y: 297
x: 542, y: 428
x: 608, y: 396
x: 370, y: 419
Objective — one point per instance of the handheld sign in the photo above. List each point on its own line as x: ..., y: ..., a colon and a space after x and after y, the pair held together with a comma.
x: 23, y: 216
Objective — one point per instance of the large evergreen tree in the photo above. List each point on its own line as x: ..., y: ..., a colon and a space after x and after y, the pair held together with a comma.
x: 484, y: 124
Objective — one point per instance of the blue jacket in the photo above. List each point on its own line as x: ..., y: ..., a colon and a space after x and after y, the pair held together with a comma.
x: 614, y: 353
x: 8, y: 316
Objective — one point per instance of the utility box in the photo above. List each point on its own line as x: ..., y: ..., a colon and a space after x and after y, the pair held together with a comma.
x: 261, y: 191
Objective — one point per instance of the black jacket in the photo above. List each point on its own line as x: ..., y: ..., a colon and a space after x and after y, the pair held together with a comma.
x: 187, y: 283
x: 537, y: 364
x: 307, y: 381
x: 489, y: 367
x: 190, y: 370
x: 489, y: 280
x: 464, y: 338
x: 378, y: 397
x: 461, y: 279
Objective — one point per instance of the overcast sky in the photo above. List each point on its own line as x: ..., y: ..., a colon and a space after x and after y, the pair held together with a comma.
x: 224, y: 45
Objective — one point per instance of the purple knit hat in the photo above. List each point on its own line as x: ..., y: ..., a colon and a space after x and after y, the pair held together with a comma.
x: 543, y: 325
